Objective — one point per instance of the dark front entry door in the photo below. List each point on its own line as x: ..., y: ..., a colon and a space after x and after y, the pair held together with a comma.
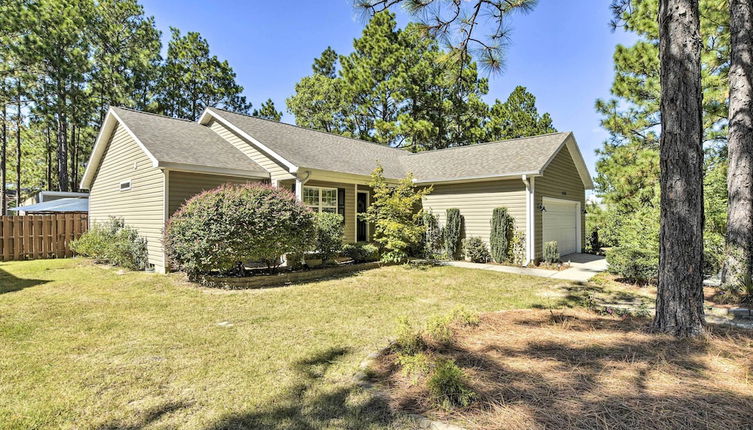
x: 362, y: 229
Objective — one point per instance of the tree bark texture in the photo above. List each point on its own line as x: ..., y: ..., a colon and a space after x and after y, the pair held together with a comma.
x: 679, y: 300
x: 3, y: 165
x: 739, y: 260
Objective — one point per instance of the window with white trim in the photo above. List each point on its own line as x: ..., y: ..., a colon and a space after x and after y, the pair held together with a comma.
x: 125, y: 185
x: 320, y: 199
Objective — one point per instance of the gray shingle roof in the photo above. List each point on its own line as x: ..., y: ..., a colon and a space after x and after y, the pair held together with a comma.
x: 307, y: 148
x: 507, y: 157
x: 178, y: 141
x: 318, y: 150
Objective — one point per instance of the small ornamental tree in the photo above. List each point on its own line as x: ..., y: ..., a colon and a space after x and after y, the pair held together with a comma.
x: 501, y: 234
x: 220, y: 229
x: 396, y: 215
x: 452, y: 228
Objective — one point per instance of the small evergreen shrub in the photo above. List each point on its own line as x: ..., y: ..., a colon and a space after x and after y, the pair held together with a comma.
x: 476, y: 250
x: 464, y: 317
x: 433, y: 241
x: 551, y: 252
x: 114, y: 243
x: 219, y: 230
x: 414, y: 366
x: 518, y: 248
x: 409, y: 339
x: 439, y: 329
x: 360, y: 252
x: 452, y: 231
x: 500, y: 237
x: 637, y: 265
x: 329, y: 234
x: 447, y: 386
x: 594, y: 244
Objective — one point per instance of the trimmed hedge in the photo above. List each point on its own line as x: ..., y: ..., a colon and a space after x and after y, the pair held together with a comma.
x: 329, y: 235
x: 551, y: 252
x: 219, y: 230
x: 361, y: 252
x: 637, y: 265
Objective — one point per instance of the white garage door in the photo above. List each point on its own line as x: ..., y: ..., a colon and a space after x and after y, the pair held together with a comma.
x: 560, y: 224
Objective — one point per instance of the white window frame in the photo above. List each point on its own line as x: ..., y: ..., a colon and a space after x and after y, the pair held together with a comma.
x: 320, y: 206
x: 128, y: 188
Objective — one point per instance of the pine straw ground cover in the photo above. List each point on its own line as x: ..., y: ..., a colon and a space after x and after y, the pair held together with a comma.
x: 576, y: 369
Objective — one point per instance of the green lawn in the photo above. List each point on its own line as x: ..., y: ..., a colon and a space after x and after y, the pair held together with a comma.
x: 85, y: 346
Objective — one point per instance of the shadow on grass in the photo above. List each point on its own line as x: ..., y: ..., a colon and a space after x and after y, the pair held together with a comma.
x: 600, y: 378
x: 150, y: 416
x: 310, y: 404
x: 10, y: 283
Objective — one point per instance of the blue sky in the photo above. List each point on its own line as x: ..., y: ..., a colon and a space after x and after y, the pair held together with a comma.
x: 562, y: 50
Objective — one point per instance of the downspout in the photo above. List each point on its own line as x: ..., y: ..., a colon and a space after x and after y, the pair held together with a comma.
x: 530, y: 217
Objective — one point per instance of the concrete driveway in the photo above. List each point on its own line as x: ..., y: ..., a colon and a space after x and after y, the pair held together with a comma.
x: 582, y: 268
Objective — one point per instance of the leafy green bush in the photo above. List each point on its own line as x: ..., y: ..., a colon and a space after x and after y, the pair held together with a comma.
x: 551, y: 252
x: 464, y: 317
x: 452, y: 232
x: 447, y: 386
x: 500, y: 237
x: 115, y: 243
x: 476, y: 250
x: 409, y: 340
x: 713, y: 253
x: 220, y: 229
x: 329, y: 234
x: 637, y: 265
x: 439, y: 329
x: 360, y: 252
x: 396, y: 217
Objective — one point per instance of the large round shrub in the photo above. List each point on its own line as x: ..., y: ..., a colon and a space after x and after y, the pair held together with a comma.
x: 217, y: 229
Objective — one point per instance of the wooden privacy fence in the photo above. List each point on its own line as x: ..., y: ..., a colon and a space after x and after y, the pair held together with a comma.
x: 29, y: 237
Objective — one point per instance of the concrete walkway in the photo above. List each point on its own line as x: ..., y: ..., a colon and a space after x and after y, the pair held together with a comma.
x: 582, y: 268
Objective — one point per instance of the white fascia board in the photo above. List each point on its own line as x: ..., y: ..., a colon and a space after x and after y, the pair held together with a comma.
x: 575, y: 154
x: 105, y: 132
x: 475, y: 178
x: 292, y: 168
x: 195, y: 168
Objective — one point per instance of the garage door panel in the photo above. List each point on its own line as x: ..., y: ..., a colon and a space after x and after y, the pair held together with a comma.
x: 560, y: 224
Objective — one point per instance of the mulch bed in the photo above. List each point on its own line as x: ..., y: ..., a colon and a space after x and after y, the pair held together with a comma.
x: 576, y: 369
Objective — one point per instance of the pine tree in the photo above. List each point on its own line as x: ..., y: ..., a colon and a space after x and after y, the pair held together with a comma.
x: 739, y: 263
x: 679, y: 298
x: 517, y: 117
x: 268, y: 111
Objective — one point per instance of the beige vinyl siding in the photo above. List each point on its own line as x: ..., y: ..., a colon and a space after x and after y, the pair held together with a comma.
x: 476, y: 201
x: 141, y: 207
x: 184, y: 185
x: 276, y: 170
x: 350, y: 205
x: 560, y: 181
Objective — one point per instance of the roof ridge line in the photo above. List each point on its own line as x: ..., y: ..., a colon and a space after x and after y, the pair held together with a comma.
x: 153, y: 114
x: 473, y: 145
x: 315, y: 131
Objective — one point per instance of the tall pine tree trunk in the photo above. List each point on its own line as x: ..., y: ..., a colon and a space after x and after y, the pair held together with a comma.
x: 679, y: 300
x: 48, y: 152
x: 739, y: 263
x: 18, y: 148
x: 62, y: 151
x: 3, y: 165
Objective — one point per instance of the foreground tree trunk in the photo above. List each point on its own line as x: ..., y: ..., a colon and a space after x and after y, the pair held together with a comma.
x: 739, y: 263
x: 679, y: 300
x: 3, y: 165
x: 19, y: 155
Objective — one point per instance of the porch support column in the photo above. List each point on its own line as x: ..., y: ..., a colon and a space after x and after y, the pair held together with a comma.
x: 355, y: 213
x: 298, y: 189
x: 530, y: 219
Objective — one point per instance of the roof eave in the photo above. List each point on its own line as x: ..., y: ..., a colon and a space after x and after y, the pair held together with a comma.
x: 197, y: 168
x: 475, y: 178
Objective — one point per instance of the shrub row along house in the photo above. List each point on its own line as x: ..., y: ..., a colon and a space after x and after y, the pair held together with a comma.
x: 144, y: 166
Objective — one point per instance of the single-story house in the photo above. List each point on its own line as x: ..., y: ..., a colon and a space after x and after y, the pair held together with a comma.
x: 144, y: 166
